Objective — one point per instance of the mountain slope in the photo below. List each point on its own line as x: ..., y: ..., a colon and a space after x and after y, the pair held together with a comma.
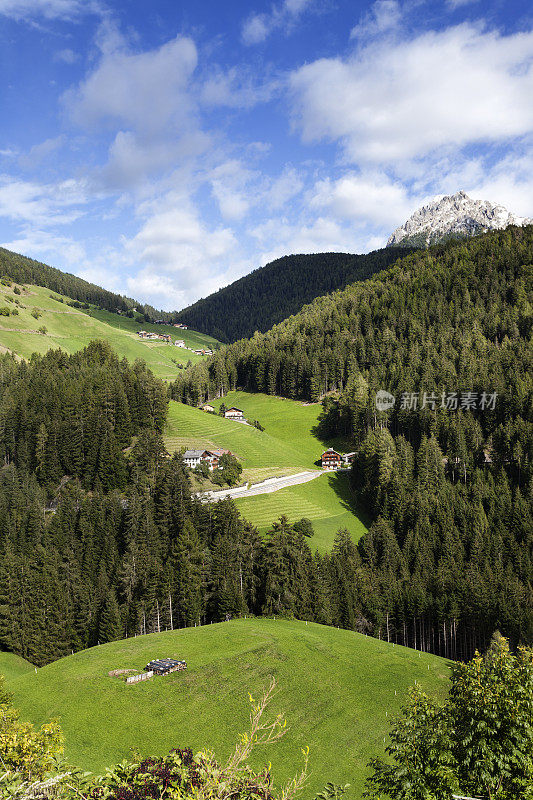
x: 446, y: 474
x: 35, y: 321
x: 334, y: 686
x: 13, y: 666
x: 415, y: 318
x: 289, y: 444
x: 22, y: 269
x: 452, y: 217
x: 272, y: 293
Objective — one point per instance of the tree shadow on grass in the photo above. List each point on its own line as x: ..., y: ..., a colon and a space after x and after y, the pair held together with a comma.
x: 340, y: 443
x: 340, y: 483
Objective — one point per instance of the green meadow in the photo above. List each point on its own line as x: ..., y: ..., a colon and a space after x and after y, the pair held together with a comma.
x: 72, y: 329
x: 289, y: 444
x: 13, y: 666
x: 327, y: 501
x: 337, y: 689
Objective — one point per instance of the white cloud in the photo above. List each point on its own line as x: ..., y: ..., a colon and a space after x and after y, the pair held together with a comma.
x: 67, y: 56
x: 371, y: 198
x: 278, y: 237
x: 49, y: 9
x: 231, y: 187
x: 258, y: 27
x: 134, y: 160
x: 453, y: 4
x: 509, y: 182
x: 236, y: 88
x: 181, y: 258
x: 63, y: 251
x: 395, y: 101
x: 40, y: 152
x: 38, y: 204
x: 146, y: 91
x: 284, y: 188
x: 383, y: 17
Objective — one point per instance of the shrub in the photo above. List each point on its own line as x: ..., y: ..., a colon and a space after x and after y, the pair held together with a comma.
x: 16, y: 290
x: 5, y: 311
x: 230, y: 469
x: 305, y: 527
x: 202, y: 470
x: 183, y: 776
x: 43, y: 329
x: 26, y: 754
x: 36, y: 313
x: 477, y: 743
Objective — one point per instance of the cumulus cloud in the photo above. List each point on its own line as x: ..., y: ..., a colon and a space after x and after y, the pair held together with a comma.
x: 370, y: 198
x: 44, y: 245
x: 236, y: 88
x: 66, y: 56
x: 509, y: 182
x: 38, y: 204
x: 146, y: 91
x: 401, y: 100
x: 40, y: 152
x: 284, y: 188
x: 383, y: 17
x: 135, y: 160
x: 278, y: 237
x: 258, y: 27
x: 180, y: 256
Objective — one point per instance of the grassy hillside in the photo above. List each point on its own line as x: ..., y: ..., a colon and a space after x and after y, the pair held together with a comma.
x: 13, y: 666
x: 326, y: 501
x: 335, y: 688
x: 26, y: 270
x: 72, y: 329
x: 287, y: 440
x: 288, y: 444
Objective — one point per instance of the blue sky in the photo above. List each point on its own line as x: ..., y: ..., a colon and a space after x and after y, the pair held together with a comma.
x: 164, y: 149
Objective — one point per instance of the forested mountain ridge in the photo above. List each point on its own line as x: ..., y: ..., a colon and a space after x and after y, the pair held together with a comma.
x: 448, y: 483
x: 405, y: 328
x: 22, y: 269
x: 274, y: 292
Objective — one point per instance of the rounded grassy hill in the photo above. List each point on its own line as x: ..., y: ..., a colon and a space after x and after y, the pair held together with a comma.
x: 12, y: 666
x: 337, y: 689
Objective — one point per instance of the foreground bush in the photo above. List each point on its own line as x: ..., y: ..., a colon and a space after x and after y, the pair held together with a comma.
x: 178, y: 776
x: 34, y: 771
x: 478, y: 743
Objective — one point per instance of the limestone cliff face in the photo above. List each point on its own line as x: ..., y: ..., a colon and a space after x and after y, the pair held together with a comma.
x: 453, y: 216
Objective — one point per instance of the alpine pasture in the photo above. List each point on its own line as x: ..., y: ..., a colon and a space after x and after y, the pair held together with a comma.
x: 13, y: 666
x: 290, y: 443
x: 71, y: 329
x: 337, y: 689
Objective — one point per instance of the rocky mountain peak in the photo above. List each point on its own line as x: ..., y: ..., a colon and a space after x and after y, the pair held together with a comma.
x: 453, y: 216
